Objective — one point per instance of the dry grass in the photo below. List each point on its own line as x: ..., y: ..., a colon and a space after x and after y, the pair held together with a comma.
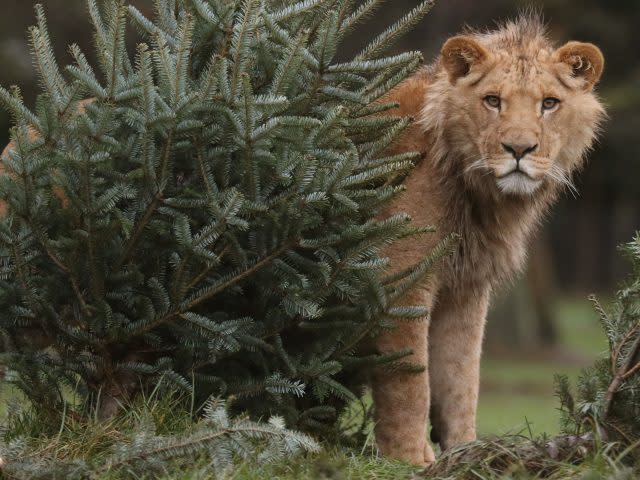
x: 517, y: 456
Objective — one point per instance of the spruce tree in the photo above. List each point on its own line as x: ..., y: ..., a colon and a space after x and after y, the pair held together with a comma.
x: 205, y: 211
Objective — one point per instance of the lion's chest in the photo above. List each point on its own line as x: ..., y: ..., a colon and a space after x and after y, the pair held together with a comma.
x: 486, y: 255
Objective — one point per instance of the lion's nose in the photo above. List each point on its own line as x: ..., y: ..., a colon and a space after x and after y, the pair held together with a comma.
x: 519, y: 150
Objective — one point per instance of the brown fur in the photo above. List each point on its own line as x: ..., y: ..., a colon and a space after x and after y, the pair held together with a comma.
x: 464, y: 185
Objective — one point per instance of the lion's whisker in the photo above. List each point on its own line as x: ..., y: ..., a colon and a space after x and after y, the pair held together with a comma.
x: 479, y: 164
x: 560, y: 176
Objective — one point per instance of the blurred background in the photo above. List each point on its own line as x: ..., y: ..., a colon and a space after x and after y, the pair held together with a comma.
x: 543, y: 323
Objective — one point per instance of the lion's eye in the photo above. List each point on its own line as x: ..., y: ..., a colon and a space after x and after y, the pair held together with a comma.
x: 492, y: 101
x: 550, y: 103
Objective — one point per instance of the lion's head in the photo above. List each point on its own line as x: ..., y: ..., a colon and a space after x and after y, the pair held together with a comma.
x: 519, y: 113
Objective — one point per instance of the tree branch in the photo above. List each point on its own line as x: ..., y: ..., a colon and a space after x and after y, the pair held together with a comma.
x: 620, y: 374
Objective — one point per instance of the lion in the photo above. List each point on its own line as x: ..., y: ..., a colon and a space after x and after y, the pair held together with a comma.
x: 503, y: 120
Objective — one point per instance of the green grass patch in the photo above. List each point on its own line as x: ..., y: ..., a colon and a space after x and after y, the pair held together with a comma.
x: 517, y: 414
x: 333, y: 463
x: 517, y: 396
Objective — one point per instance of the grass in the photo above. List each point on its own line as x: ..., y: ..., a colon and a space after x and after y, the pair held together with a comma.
x: 333, y: 463
x: 516, y: 413
x: 517, y: 399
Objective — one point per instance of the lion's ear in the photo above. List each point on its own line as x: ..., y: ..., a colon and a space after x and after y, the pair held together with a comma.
x: 585, y: 59
x: 461, y: 53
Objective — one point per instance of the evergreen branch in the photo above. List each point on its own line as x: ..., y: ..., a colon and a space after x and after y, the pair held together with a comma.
x: 117, y: 43
x: 146, y: 79
x: 210, y: 292
x: 393, y: 33
x: 346, y: 96
x: 365, y: 11
x: 218, y: 437
x: 67, y: 271
x: 185, y: 41
x: 135, y: 237
x: 235, y: 279
x: 12, y: 101
x: 22, y: 141
x: 149, y: 27
x: 204, y: 173
x: 282, y: 37
x: 165, y: 62
x: 96, y: 19
x: 45, y: 58
x: 290, y: 11
x: 631, y: 371
x: 615, y: 355
x: 602, y: 314
x: 31, y: 300
x: 164, y: 164
x: 87, y: 193
x: 375, y: 65
x: 328, y: 41
x: 629, y: 367
x: 166, y: 15
x: 165, y: 448
x: 85, y: 74
x: 384, y: 83
x: 242, y: 36
x: 377, y: 173
x: 370, y: 149
x: 375, y: 109
x: 289, y: 66
x: 206, y: 271
x: 345, y: 8
x: 204, y: 10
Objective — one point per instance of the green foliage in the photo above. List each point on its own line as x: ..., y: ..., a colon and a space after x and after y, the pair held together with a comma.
x: 607, y: 400
x: 211, y: 216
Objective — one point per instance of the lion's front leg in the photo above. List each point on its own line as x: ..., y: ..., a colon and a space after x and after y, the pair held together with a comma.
x: 401, y: 399
x: 455, y: 345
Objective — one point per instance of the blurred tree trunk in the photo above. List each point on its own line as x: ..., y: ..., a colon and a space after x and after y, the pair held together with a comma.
x: 589, y: 238
x: 542, y: 288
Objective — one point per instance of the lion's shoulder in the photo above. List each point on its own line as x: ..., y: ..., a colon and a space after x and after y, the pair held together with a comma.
x: 410, y: 94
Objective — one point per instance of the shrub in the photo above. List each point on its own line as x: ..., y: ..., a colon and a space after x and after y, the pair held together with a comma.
x: 205, y: 210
